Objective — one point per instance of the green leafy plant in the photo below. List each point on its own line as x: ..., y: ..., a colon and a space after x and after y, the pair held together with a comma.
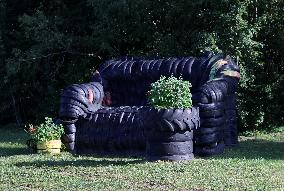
x: 170, y: 92
x: 46, y: 131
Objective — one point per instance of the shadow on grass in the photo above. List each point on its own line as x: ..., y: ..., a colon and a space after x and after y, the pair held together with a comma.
x: 12, y: 142
x: 10, y: 151
x: 13, y: 139
x: 256, y: 149
x: 80, y: 163
x: 13, y: 135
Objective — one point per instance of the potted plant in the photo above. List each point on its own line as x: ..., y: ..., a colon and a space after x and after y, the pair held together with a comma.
x: 170, y: 120
x: 46, y: 137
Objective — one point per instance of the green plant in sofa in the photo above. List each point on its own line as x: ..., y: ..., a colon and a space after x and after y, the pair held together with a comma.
x: 170, y: 92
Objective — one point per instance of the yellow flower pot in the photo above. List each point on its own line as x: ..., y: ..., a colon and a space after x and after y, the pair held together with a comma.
x: 52, y: 147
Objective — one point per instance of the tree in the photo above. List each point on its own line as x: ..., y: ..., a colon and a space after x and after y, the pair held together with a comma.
x: 50, y: 44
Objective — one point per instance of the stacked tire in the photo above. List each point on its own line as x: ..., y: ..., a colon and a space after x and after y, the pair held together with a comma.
x: 123, y: 129
x: 208, y: 139
x: 70, y: 135
x: 78, y: 101
x: 129, y: 92
x: 111, y: 131
x: 231, y: 131
x: 169, y: 133
x: 125, y: 73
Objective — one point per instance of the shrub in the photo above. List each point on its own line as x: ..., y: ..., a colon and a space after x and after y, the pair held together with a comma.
x: 46, y: 131
x: 170, y: 93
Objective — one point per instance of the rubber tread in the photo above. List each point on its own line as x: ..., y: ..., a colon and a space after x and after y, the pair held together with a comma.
x: 209, y: 151
x: 170, y: 119
x: 169, y: 148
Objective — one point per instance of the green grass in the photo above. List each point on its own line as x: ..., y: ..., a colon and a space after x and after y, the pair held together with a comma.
x: 258, y: 164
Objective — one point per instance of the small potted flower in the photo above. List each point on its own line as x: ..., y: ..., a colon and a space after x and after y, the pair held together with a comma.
x: 45, y: 138
x: 170, y: 120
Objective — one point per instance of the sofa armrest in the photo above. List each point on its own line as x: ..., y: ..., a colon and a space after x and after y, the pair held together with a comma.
x: 215, y: 90
x: 80, y: 100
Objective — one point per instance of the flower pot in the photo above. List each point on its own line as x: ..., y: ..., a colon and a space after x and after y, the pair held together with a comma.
x: 52, y: 147
x: 169, y: 133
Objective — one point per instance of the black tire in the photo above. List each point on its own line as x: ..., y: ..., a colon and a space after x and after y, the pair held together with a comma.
x: 68, y: 95
x: 199, y: 97
x: 107, y: 70
x: 170, y: 148
x: 98, y: 92
x: 212, y: 113
x: 231, y: 135
x: 115, y: 129
x: 174, y: 67
x: 172, y: 114
x: 212, y: 122
x: 67, y: 138
x: 123, y: 69
x: 71, y: 111
x: 175, y: 119
x: 70, y: 146
x: 76, y: 88
x: 112, y: 69
x: 231, y: 119
x: 209, y: 151
x: 186, y: 72
x: 139, y: 69
x: 195, y: 74
x: 232, y: 84
x: 67, y: 115
x: 231, y: 113
x: 145, y: 68
x: 208, y: 138
x: 150, y: 74
x: 156, y: 136
x: 166, y: 66
x: 203, y: 131
x: 76, y: 95
x: 231, y: 142
x: 108, y: 126
x: 230, y: 103
x: 180, y: 66
x: 211, y: 106
x: 118, y: 68
x: 214, y: 92
x: 73, y: 105
x: 127, y: 70
x: 232, y: 67
x: 156, y: 69
x: 104, y: 68
x: 69, y: 128
x: 171, y: 158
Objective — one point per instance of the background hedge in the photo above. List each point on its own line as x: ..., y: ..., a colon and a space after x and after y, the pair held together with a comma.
x: 47, y: 44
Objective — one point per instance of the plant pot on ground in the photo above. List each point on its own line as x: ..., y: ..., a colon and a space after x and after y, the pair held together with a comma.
x: 170, y: 120
x: 45, y: 138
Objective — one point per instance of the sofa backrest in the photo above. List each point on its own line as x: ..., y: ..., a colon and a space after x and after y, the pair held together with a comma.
x: 127, y: 80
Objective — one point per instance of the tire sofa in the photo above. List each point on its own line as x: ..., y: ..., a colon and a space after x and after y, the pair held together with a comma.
x: 105, y: 116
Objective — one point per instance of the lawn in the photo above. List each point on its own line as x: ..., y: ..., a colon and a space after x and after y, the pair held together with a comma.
x: 258, y: 164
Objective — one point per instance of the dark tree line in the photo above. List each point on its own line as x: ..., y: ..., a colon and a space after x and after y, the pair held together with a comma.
x: 46, y: 45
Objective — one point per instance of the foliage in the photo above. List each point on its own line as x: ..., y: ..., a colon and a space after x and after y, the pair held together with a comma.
x: 46, y: 45
x: 46, y: 131
x: 170, y: 93
x: 256, y: 165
